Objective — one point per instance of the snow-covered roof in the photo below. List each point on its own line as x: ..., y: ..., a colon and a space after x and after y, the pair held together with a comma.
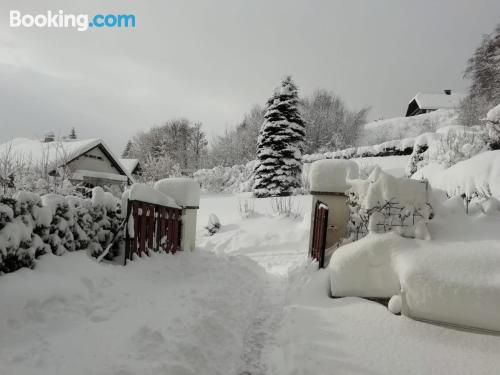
x: 130, y: 164
x: 57, y: 153
x: 438, y: 100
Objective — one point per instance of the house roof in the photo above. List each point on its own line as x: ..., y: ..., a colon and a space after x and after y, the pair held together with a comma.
x: 438, y: 100
x: 57, y: 153
x: 130, y: 164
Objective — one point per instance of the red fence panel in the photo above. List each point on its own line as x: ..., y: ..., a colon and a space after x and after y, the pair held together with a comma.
x: 155, y: 228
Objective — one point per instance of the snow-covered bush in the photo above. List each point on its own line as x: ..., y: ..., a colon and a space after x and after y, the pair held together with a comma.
x: 389, y: 148
x: 402, y: 127
x: 31, y: 226
x: 456, y: 144
x: 213, y: 224
x: 447, y: 147
x: 383, y: 203
x: 235, y: 179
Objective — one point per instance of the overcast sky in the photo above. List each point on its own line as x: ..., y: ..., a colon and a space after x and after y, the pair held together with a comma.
x: 210, y: 61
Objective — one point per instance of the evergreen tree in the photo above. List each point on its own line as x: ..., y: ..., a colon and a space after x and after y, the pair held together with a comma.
x: 280, y: 144
x: 126, y: 151
x: 72, y: 134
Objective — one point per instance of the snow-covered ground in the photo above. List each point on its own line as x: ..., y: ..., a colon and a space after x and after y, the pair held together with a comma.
x: 246, y: 302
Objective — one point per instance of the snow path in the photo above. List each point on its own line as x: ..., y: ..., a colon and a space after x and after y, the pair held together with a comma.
x: 259, y: 338
x: 278, y: 245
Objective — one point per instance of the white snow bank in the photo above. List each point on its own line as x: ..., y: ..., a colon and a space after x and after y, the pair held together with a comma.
x: 331, y: 175
x: 185, y: 191
x: 457, y: 283
x: 477, y: 175
x: 453, y: 279
x: 145, y: 193
x: 365, y: 268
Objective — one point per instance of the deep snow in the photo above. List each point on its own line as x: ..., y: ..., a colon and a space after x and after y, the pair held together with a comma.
x: 247, y: 301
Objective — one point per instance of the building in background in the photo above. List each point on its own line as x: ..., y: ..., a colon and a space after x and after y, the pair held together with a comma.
x: 428, y: 102
x: 88, y: 162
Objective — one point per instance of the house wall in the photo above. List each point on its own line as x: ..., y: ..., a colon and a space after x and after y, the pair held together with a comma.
x: 338, y: 215
x: 93, y: 160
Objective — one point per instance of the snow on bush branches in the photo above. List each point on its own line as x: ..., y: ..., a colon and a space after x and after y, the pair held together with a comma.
x: 382, y: 203
x: 31, y: 226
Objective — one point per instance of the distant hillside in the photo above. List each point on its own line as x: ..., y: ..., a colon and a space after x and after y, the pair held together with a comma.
x: 406, y: 127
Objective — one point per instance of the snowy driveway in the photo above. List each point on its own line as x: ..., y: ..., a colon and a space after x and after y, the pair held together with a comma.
x: 247, y: 302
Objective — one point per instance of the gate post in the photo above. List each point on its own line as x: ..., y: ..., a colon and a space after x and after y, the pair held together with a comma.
x: 328, y: 181
x: 186, y: 193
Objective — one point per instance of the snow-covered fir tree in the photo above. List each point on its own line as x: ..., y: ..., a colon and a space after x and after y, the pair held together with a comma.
x: 280, y: 144
x: 72, y: 134
x: 127, y: 150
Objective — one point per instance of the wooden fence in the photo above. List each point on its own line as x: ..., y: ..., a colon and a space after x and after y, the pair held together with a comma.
x: 151, y: 227
x: 318, y: 242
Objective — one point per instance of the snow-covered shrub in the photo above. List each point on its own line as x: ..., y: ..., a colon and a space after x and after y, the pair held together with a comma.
x: 401, y: 127
x: 447, y: 147
x: 388, y: 148
x: 106, y: 220
x: 456, y: 144
x: 20, y: 221
x: 383, y: 203
x: 14, y: 246
x: 31, y: 226
x: 213, y: 225
x: 235, y: 179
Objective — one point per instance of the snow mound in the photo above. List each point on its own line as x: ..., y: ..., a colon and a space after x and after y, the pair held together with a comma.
x: 395, y: 304
x: 365, y: 268
x: 381, y: 187
x: 332, y: 175
x: 185, y: 191
x: 453, y: 279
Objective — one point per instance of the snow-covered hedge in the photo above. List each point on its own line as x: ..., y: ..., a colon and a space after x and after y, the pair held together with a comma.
x: 31, y: 226
x: 383, y: 203
x: 235, y: 179
x: 403, y: 127
x: 389, y: 148
x: 447, y: 146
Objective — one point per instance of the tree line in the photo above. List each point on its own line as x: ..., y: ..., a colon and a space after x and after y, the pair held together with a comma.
x: 180, y: 145
x: 483, y: 69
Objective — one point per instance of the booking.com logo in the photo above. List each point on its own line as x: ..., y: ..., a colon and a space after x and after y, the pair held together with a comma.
x: 81, y: 22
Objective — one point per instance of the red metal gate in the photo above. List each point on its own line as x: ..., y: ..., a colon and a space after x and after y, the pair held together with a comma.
x: 151, y: 227
x: 318, y: 242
